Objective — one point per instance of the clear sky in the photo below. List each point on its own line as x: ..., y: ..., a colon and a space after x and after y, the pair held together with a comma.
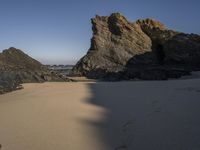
x: 59, y: 31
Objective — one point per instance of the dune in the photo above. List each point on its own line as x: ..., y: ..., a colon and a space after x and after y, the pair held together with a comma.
x: 140, y: 115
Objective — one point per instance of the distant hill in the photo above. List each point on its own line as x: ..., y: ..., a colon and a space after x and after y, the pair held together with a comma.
x: 16, y: 67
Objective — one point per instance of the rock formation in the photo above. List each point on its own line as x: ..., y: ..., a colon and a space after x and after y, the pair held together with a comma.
x: 17, y: 67
x: 114, y: 42
x: 144, y: 49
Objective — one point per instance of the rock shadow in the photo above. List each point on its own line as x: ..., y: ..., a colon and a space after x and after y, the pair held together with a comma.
x: 145, y: 115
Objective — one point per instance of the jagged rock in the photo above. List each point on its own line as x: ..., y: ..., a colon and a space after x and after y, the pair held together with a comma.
x: 144, y: 49
x: 17, y: 67
x: 114, y: 42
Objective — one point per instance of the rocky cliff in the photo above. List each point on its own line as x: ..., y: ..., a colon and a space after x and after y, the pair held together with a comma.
x: 144, y: 49
x: 17, y: 67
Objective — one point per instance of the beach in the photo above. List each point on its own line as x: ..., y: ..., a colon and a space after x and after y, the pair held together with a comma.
x: 140, y: 115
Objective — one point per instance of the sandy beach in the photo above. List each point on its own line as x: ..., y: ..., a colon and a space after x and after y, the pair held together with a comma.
x: 140, y: 115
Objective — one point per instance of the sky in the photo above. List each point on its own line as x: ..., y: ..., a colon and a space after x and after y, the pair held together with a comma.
x: 59, y: 31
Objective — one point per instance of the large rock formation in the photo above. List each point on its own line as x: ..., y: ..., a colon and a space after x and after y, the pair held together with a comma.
x: 114, y: 42
x: 144, y: 49
x: 16, y: 67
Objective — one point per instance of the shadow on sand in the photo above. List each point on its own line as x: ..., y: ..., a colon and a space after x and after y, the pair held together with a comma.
x: 153, y: 115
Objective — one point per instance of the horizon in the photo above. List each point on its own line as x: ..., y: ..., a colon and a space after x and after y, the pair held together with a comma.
x: 59, y: 32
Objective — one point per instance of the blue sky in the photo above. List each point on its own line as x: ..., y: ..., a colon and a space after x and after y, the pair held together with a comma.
x: 59, y: 31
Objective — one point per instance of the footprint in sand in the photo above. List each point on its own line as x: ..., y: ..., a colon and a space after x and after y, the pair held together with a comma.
x: 156, y: 106
x: 128, y: 124
x: 127, y: 134
x: 123, y: 147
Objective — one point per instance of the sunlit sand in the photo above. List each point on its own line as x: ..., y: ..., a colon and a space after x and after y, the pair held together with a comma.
x: 48, y: 117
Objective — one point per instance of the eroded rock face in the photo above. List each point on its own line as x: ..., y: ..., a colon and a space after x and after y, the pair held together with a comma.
x: 114, y: 42
x: 144, y: 49
x: 17, y: 67
x: 183, y: 49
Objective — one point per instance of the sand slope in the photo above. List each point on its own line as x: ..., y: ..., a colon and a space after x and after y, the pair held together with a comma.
x: 153, y: 115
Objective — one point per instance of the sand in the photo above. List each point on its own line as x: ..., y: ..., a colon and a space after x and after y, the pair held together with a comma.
x: 140, y: 115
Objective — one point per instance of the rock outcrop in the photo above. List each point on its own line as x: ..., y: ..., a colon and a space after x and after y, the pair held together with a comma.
x: 16, y: 67
x: 114, y: 42
x: 144, y: 49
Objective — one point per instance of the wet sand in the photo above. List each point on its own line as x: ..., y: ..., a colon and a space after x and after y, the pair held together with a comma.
x: 154, y: 115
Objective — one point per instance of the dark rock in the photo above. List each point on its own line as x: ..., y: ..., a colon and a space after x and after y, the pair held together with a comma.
x: 17, y: 67
x: 183, y: 49
x: 144, y: 49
